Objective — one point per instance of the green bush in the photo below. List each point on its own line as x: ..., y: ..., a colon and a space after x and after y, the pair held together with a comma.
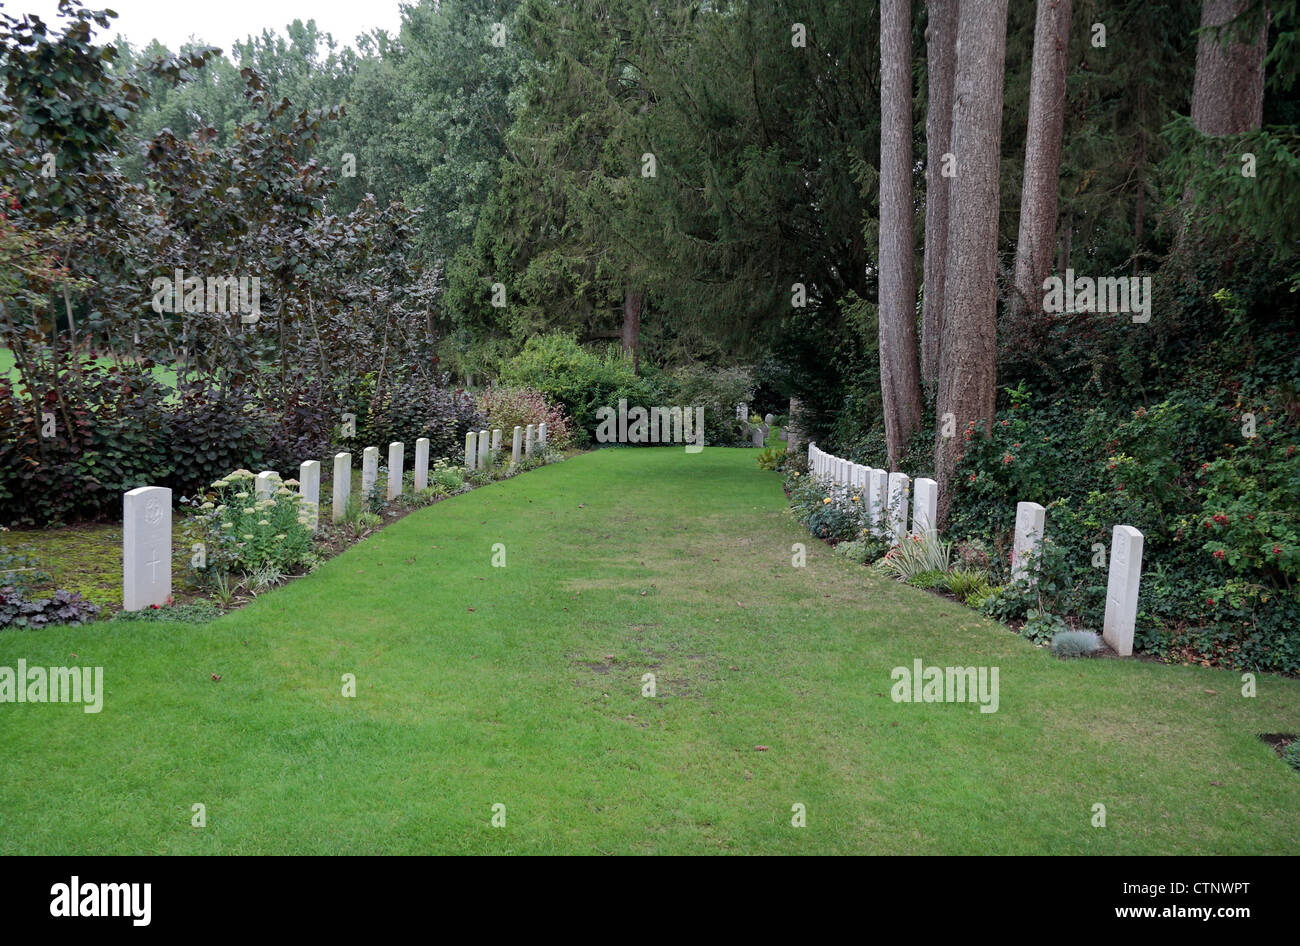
x: 578, y: 379
x: 717, y: 391
x: 769, y: 458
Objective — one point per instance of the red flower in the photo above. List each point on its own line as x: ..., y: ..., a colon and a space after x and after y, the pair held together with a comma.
x: 1219, y: 554
x: 1007, y: 458
x: 1211, y: 601
x: 972, y: 477
x: 1277, y: 550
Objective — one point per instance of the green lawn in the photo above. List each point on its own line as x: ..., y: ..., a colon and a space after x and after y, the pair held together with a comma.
x: 165, y: 374
x: 522, y: 686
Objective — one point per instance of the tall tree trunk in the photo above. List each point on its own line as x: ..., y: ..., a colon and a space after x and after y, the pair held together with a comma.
x: 900, y: 383
x: 1038, y: 195
x: 940, y: 64
x: 632, y: 327
x: 1228, y: 92
x: 968, y: 355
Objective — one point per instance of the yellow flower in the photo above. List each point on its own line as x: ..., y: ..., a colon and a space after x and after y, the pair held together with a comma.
x: 826, y: 500
x: 855, y: 499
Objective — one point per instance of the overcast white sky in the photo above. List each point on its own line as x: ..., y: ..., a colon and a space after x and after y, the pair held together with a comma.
x: 218, y: 22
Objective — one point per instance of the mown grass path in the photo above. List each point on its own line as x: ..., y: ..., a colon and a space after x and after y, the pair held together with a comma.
x: 522, y: 686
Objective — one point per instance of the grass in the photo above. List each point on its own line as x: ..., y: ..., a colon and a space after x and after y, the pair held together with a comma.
x: 165, y: 374
x: 522, y: 686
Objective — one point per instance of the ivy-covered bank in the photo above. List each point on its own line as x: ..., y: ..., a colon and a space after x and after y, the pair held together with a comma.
x: 1222, y: 560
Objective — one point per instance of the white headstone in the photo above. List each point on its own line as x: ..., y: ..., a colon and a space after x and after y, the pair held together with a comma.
x: 422, y: 463
x: 898, y: 483
x: 342, y: 485
x: 541, y: 437
x: 146, y: 547
x: 471, y: 450
x: 496, y: 444
x: 877, y: 486
x: 1122, y: 589
x: 516, y: 445
x: 742, y: 411
x: 369, y: 470
x: 484, y: 450
x: 756, y: 436
x: 268, y: 481
x: 530, y: 438
x: 396, y: 460
x: 309, y: 490
x: 767, y: 419
x: 925, y: 505
x: 1030, y: 520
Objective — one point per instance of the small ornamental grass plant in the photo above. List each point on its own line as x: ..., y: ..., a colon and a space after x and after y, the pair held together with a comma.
x: 916, y: 555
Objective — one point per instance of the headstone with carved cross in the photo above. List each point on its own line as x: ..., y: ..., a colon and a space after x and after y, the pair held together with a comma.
x: 146, y: 547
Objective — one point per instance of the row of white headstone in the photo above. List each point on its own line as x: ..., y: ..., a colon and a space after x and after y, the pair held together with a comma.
x: 147, y: 511
x: 886, y: 502
x: 886, y: 494
x: 482, y: 449
x: 1122, y: 580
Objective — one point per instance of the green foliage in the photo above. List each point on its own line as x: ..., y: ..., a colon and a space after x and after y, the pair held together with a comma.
x: 578, y: 379
x: 448, y: 476
x: 1250, y: 500
x: 928, y: 580
x: 21, y: 571
x: 197, y: 612
x: 826, y: 516
x: 769, y: 458
x: 965, y: 583
x: 1041, y: 594
x: 1041, y: 626
x: 717, y: 390
x: 243, y: 533
x: 1291, y: 755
